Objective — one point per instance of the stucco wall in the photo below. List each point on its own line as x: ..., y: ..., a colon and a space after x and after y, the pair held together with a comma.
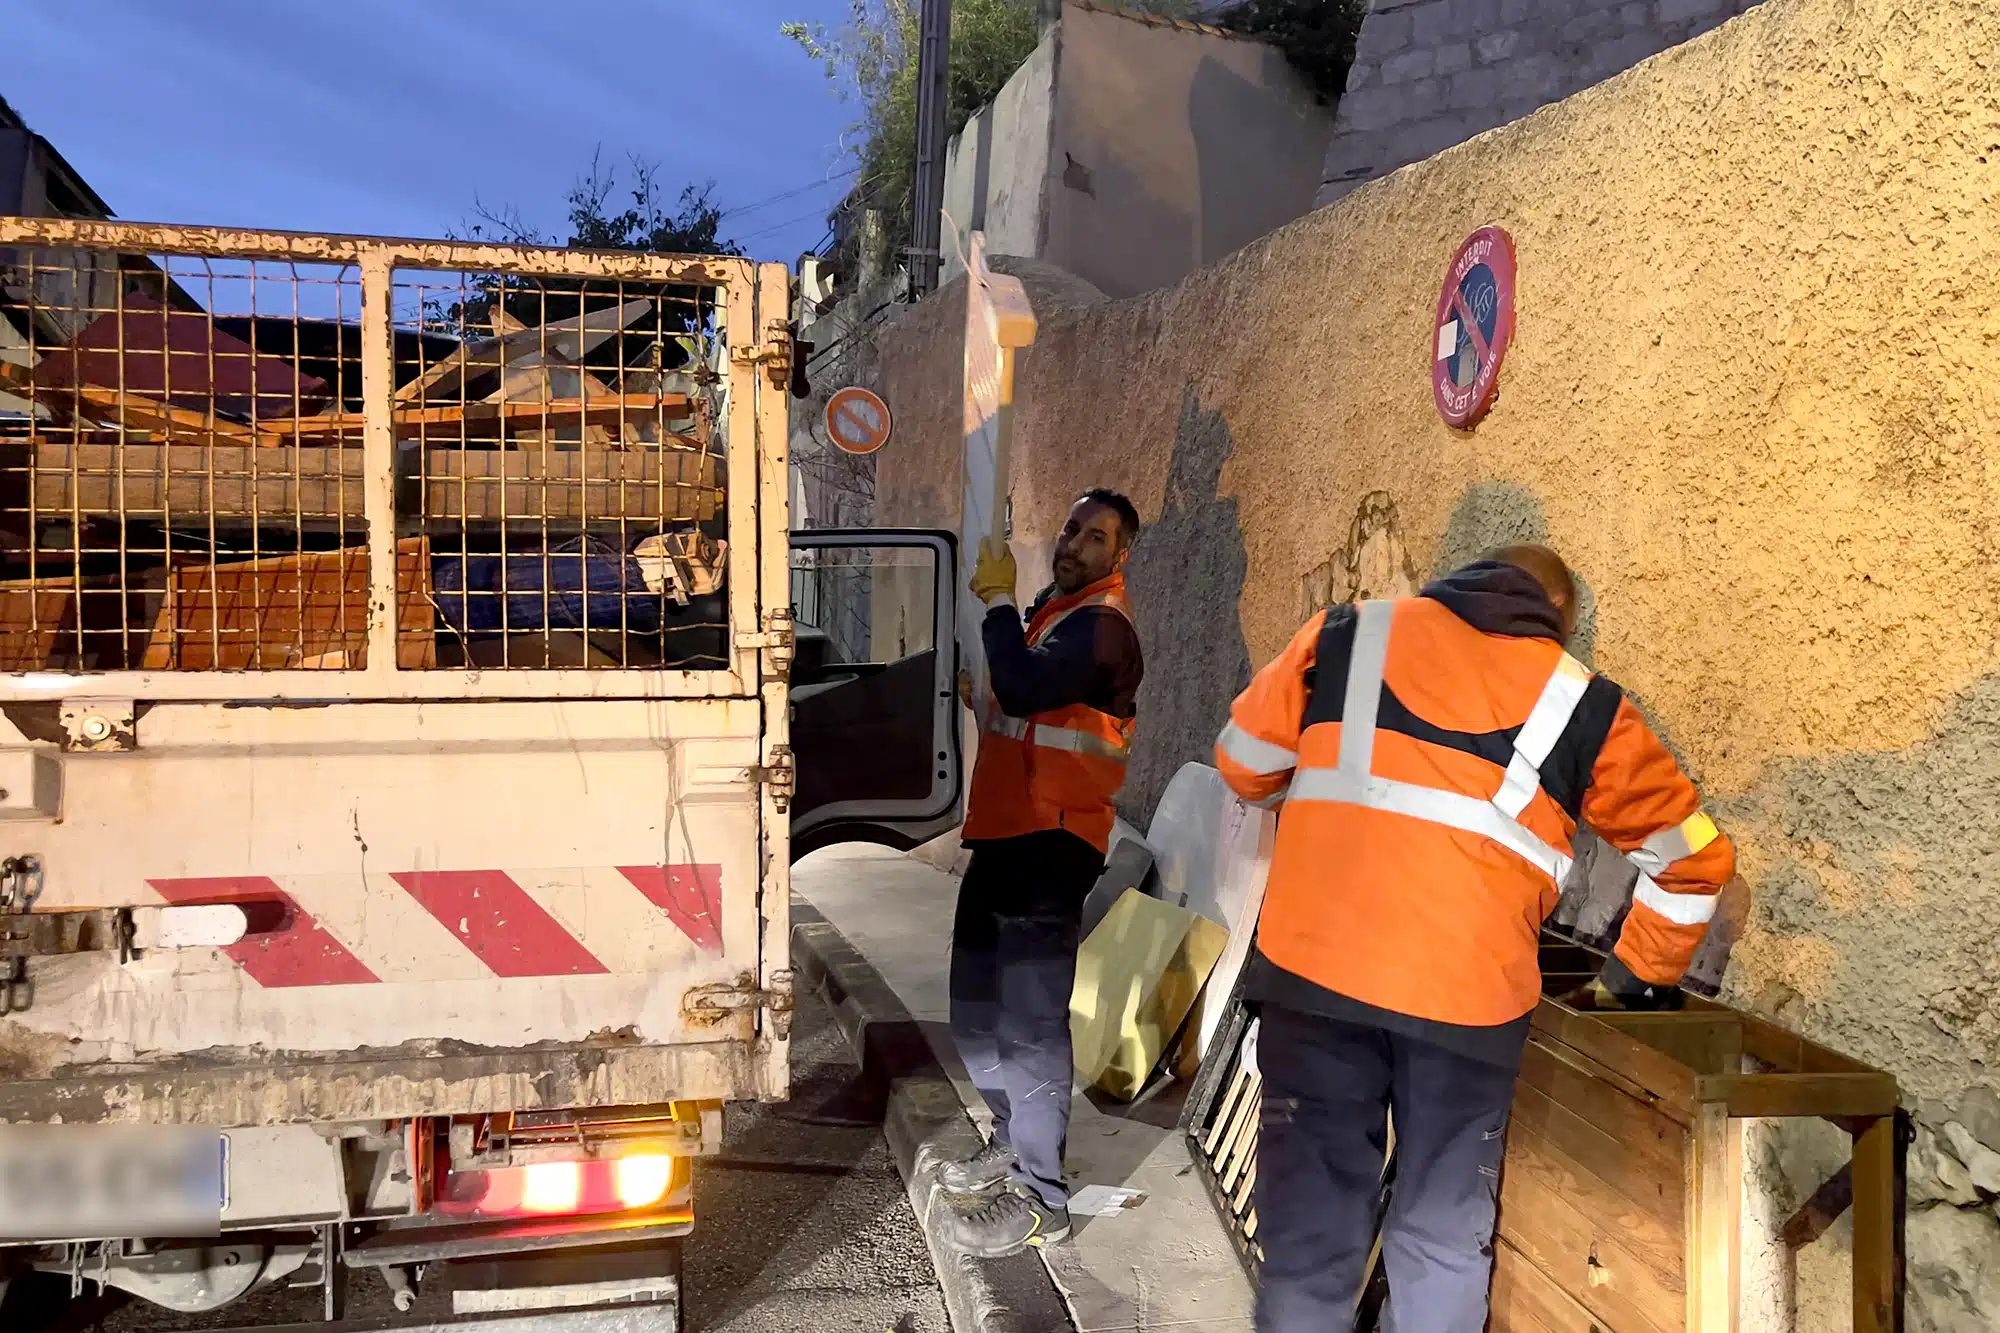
x: 1131, y: 151
x: 1428, y: 74
x: 996, y: 169
x: 1751, y: 398
x: 1173, y: 147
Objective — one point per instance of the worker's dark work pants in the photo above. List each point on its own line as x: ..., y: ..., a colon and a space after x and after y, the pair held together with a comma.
x: 1327, y: 1088
x: 1013, y: 964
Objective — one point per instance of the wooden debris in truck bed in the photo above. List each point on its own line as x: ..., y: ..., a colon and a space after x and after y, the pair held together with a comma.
x: 294, y: 612
x: 490, y: 420
x: 32, y: 616
x: 54, y: 479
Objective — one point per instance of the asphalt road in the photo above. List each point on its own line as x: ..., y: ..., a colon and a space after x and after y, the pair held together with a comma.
x: 800, y: 1223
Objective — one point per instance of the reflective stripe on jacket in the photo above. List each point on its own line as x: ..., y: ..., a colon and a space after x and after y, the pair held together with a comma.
x: 1058, y: 768
x: 1431, y: 777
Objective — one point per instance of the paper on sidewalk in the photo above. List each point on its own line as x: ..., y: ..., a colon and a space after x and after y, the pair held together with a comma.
x: 1105, y: 1200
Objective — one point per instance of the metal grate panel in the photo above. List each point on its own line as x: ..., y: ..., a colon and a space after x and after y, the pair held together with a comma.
x: 209, y: 441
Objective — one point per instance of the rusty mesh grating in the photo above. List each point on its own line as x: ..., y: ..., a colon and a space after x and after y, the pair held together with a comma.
x: 558, y: 449
x: 182, y: 485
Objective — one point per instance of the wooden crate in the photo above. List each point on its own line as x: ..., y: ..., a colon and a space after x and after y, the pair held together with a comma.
x: 299, y: 612
x: 1621, y: 1197
x: 1621, y: 1194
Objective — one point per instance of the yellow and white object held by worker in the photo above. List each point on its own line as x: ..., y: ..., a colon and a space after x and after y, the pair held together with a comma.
x: 998, y: 322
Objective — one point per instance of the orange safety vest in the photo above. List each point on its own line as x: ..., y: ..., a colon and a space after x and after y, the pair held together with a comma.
x: 1420, y: 848
x: 1056, y: 769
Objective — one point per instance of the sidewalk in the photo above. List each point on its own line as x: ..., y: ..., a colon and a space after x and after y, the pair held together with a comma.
x: 1164, y: 1265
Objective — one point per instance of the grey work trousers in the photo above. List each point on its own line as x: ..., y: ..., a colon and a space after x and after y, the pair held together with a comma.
x: 1329, y: 1086
x: 1013, y: 964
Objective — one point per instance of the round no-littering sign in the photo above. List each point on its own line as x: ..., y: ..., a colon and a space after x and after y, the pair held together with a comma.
x: 1475, y: 322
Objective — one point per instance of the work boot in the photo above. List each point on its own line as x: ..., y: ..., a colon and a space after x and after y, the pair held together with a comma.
x: 981, y: 1171
x: 1005, y: 1224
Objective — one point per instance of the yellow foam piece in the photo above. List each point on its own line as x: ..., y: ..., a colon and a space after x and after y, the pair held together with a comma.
x: 1138, y: 976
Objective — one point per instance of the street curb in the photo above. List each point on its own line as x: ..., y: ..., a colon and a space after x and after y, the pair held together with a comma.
x: 925, y: 1125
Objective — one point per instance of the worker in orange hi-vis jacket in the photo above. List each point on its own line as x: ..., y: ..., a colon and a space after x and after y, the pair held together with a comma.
x: 1038, y: 820
x: 1433, y: 756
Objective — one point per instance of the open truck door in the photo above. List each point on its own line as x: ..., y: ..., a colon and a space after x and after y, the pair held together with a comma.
x: 874, y: 724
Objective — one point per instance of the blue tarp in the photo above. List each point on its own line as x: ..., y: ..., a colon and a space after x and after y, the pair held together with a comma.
x: 581, y: 575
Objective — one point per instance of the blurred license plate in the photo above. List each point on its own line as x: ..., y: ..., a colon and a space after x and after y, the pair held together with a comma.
x: 75, y: 1182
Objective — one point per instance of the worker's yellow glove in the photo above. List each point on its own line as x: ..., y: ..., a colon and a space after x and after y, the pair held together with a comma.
x: 993, y: 576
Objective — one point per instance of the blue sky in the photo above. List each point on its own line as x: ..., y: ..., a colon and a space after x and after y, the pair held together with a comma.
x: 392, y: 116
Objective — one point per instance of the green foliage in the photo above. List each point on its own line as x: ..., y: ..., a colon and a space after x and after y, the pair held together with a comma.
x: 689, y: 224
x: 1317, y: 36
x: 873, y: 60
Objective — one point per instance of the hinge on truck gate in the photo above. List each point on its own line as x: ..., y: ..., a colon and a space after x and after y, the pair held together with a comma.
x: 777, y: 640
x: 26, y: 933
x: 774, y: 354
x: 705, y: 1006
x: 20, y: 885
x: 781, y: 775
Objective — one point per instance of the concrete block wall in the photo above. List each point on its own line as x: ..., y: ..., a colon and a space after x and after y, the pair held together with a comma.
x: 1428, y: 74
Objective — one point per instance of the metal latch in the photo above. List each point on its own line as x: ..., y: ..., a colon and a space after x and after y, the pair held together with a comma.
x: 777, y: 640
x: 774, y: 353
x: 780, y: 775
x: 705, y: 1006
x: 26, y: 933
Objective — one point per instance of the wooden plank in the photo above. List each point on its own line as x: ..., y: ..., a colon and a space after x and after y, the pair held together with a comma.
x: 32, y: 615
x: 1638, y: 1156
x: 1653, y: 1070
x: 300, y: 612
x: 1817, y: 1215
x: 1241, y: 1200
x: 1714, y: 1215
x: 1621, y: 1262
x: 1746, y: 1095
x: 1525, y: 1300
x: 1706, y: 1041
x: 1790, y: 1053
x: 1623, y: 1109
x: 300, y: 482
x: 1238, y: 1081
x: 1877, y: 1307
x: 475, y: 419
x: 1240, y: 1130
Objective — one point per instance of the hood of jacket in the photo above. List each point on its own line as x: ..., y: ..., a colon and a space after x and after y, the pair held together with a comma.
x: 1496, y: 598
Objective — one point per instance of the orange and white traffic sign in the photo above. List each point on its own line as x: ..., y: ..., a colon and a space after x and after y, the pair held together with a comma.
x: 858, y: 420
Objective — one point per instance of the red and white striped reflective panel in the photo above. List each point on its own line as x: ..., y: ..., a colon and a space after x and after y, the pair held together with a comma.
x: 503, y: 928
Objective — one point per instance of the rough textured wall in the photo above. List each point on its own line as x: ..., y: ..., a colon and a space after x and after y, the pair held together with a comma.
x: 1750, y: 398
x: 1428, y: 74
x: 1132, y: 150
x: 996, y: 169
x: 1174, y: 146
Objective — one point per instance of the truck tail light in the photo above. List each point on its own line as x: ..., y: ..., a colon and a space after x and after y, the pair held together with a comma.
x: 545, y: 1189
x: 643, y: 1181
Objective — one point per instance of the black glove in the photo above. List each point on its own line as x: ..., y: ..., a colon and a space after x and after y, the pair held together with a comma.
x: 1615, y: 987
